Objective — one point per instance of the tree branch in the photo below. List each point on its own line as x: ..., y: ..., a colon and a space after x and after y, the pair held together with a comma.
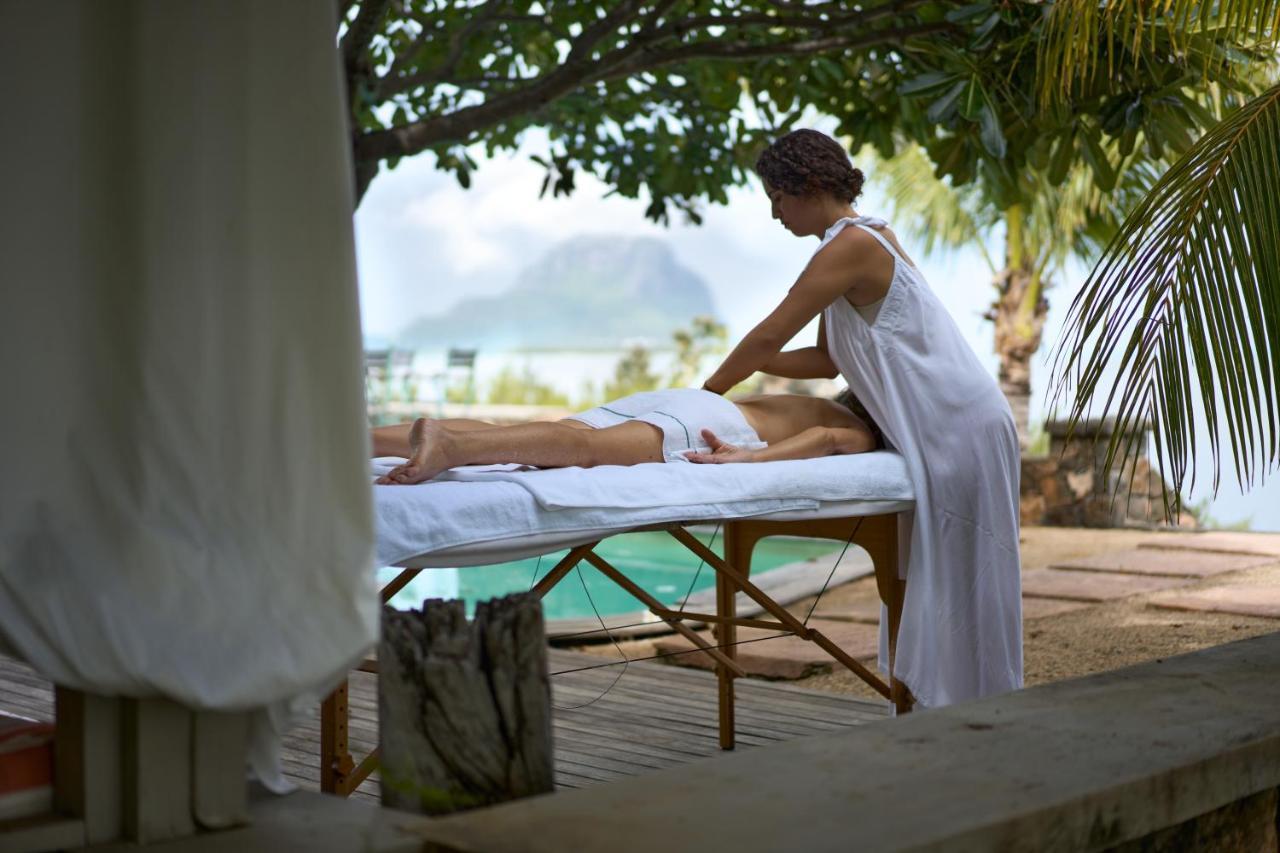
x: 358, y: 36
x: 395, y: 81
x: 632, y: 59
x: 799, y: 22
x: 457, y: 44
x: 748, y: 50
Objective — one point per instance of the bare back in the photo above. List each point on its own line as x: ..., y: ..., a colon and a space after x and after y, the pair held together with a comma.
x: 776, y: 417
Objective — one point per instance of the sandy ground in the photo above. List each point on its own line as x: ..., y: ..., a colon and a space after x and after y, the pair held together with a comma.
x: 1094, y: 638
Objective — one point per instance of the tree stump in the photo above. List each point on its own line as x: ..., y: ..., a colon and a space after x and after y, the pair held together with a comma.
x: 464, y: 708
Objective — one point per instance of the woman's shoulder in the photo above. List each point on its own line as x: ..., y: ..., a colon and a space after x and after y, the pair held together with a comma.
x: 860, y: 240
x: 852, y: 243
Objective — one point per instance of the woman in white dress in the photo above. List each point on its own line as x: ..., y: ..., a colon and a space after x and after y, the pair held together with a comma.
x: 884, y: 331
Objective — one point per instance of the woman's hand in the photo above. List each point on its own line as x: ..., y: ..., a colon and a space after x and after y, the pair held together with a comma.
x: 720, y: 451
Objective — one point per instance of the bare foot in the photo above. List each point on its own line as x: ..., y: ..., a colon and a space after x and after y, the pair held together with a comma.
x: 430, y: 444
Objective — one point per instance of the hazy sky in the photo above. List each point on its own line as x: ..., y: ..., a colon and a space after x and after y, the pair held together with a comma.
x: 424, y: 243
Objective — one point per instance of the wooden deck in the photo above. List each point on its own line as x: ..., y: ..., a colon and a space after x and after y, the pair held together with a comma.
x: 656, y: 716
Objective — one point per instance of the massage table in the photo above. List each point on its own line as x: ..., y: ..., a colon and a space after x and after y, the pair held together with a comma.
x: 497, y: 514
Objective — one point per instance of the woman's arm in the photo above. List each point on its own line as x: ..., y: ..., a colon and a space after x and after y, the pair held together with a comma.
x: 805, y: 363
x: 810, y: 444
x: 827, y: 277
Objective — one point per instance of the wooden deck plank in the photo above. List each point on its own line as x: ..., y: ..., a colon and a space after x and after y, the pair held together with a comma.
x: 775, y: 692
x: 675, y: 710
x: 655, y: 716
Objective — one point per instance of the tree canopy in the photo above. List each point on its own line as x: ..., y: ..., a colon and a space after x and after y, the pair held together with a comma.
x: 674, y: 98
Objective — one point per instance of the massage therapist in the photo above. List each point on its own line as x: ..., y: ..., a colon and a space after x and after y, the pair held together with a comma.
x: 884, y: 331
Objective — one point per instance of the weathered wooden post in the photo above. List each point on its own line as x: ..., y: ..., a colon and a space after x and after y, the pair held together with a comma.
x: 464, y: 708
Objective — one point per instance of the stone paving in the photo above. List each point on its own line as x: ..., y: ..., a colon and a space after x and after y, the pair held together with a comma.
x: 1171, y: 562
x: 1221, y: 541
x: 1240, y: 600
x: 784, y: 657
x: 1095, y: 585
x: 1038, y: 608
x: 855, y: 611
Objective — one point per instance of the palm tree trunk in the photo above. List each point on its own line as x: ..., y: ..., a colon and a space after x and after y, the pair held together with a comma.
x: 1018, y: 313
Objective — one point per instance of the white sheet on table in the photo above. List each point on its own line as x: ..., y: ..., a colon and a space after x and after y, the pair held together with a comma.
x: 471, y: 505
x: 879, y: 475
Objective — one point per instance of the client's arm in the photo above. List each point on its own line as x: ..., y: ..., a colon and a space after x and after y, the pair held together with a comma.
x: 813, y: 442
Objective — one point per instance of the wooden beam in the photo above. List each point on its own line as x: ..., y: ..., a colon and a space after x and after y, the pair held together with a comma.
x: 562, y: 568
x: 654, y: 606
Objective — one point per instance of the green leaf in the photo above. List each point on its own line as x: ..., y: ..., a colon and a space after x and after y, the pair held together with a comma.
x: 992, y: 133
x: 986, y: 27
x: 968, y: 12
x: 927, y: 84
x: 1104, y: 172
x: 943, y: 108
x: 1063, y: 154
x: 1128, y: 141
x: 1038, y: 153
x: 973, y: 100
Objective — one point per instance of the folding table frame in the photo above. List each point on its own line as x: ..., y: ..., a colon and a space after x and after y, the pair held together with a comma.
x: 878, y: 534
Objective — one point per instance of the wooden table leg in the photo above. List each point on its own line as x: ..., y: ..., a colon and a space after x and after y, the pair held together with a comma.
x: 335, y: 757
x: 893, y: 590
x: 737, y: 553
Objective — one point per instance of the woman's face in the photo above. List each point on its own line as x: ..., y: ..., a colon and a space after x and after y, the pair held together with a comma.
x: 794, y: 211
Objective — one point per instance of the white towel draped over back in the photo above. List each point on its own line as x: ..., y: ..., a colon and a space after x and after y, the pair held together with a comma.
x: 961, y: 630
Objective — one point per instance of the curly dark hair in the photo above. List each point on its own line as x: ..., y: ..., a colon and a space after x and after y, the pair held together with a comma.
x: 849, y: 400
x: 806, y: 162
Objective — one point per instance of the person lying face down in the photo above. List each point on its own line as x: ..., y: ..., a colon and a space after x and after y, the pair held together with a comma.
x: 675, y: 425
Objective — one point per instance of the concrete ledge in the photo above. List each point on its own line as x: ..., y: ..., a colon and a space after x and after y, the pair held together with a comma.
x: 1077, y: 765
x: 303, y: 820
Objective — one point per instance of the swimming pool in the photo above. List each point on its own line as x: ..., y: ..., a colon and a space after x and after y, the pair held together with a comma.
x: 655, y: 561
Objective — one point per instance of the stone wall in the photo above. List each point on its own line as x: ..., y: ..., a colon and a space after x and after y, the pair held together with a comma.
x: 1069, y: 487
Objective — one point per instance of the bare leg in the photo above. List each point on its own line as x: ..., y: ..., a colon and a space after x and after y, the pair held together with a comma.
x: 393, y: 440
x: 437, y: 448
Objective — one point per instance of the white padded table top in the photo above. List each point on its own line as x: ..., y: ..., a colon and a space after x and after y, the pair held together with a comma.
x: 519, y: 547
x: 483, y: 517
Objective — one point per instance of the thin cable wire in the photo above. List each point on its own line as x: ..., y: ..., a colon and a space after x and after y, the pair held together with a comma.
x: 647, y: 622
x: 672, y: 654
x: 650, y: 622
x: 605, y: 628
x: 625, y: 661
x: 701, y: 562
x: 812, y: 607
x: 598, y: 630
x: 847, y: 543
x: 534, y: 580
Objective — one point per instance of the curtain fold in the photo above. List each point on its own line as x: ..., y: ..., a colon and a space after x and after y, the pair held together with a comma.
x: 184, y: 501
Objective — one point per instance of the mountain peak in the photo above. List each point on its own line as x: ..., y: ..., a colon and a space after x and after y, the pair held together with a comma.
x: 587, y: 291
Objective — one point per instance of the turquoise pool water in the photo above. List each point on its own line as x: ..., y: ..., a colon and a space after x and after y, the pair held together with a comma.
x: 655, y: 561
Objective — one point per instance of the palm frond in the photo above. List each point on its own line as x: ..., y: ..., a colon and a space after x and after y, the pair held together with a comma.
x: 1077, y: 217
x: 1185, y: 304
x: 927, y: 210
x: 1082, y: 37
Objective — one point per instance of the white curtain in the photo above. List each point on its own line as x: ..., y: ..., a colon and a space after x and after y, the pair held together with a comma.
x: 184, y: 507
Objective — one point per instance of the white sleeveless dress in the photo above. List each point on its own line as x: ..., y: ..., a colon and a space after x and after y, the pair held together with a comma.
x: 961, y: 631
